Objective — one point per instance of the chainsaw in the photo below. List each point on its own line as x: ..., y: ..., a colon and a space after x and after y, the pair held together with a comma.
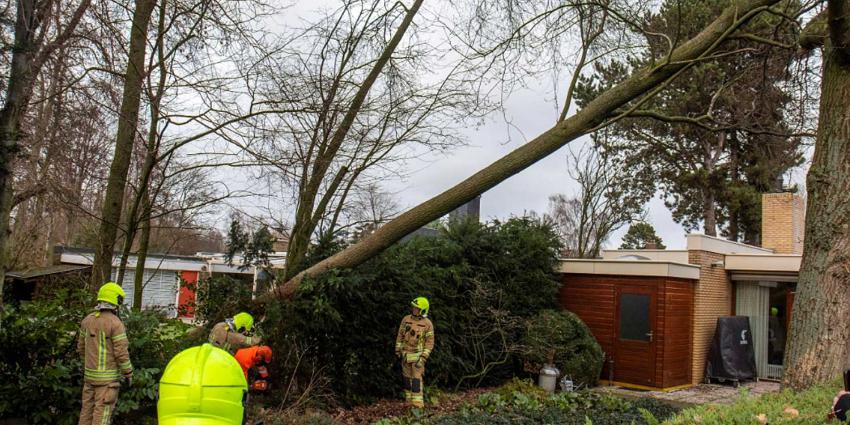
x: 261, y: 383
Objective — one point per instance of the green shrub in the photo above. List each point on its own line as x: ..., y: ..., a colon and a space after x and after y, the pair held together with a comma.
x: 577, y: 354
x: 220, y: 297
x: 154, y: 340
x: 519, y: 402
x: 483, y: 282
x: 41, y: 372
x: 811, y: 407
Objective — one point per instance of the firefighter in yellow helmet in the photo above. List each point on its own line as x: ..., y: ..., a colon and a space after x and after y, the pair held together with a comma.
x: 233, y: 333
x: 202, y: 386
x: 102, y: 343
x: 413, y: 344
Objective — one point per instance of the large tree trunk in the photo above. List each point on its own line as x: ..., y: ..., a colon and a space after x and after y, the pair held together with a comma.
x: 818, y: 348
x: 128, y: 119
x: 581, y: 123
x: 18, y: 93
x: 306, y: 219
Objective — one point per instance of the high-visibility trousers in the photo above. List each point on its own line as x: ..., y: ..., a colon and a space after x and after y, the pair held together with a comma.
x: 413, y: 384
x: 98, y: 403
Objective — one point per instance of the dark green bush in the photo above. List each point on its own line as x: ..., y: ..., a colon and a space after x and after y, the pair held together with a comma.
x: 41, y: 372
x: 483, y: 282
x: 577, y: 354
x: 220, y: 297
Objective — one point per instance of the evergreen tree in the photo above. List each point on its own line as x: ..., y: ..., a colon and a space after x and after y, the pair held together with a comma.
x: 640, y: 234
x: 716, y: 137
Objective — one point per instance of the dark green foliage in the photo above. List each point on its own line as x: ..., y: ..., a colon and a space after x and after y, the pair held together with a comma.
x: 253, y: 246
x: 220, y: 297
x: 153, y: 342
x: 639, y: 234
x: 577, y: 354
x: 41, y: 372
x: 482, y: 281
x: 521, y: 403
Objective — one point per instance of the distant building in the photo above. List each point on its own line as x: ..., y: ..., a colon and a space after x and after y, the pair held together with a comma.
x: 169, y: 279
x: 471, y: 209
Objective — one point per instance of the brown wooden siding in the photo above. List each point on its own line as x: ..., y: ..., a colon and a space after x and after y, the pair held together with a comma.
x: 675, y: 359
x: 592, y: 298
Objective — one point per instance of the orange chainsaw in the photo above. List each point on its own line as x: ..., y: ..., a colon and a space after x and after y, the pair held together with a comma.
x: 261, y: 383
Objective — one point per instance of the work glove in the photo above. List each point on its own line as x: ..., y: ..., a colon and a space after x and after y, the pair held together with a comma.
x: 398, y: 353
x: 421, y: 362
x: 129, y: 378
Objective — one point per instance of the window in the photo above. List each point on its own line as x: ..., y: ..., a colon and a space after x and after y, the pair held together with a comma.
x: 634, y: 317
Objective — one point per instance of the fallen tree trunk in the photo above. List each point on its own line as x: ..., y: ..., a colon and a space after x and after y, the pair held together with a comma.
x: 591, y: 117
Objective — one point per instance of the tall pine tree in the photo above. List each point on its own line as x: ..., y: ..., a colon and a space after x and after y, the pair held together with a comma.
x: 716, y: 137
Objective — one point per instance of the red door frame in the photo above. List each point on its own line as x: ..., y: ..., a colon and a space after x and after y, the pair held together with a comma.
x: 186, y: 297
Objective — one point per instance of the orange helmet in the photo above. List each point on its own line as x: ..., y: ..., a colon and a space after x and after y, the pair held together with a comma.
x: 264, y: 352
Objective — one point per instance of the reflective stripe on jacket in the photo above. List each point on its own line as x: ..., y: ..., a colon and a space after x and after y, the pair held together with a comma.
x: 103, y: 345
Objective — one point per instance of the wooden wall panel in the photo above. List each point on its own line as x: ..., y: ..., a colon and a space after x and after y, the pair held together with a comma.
x: 592, y: 298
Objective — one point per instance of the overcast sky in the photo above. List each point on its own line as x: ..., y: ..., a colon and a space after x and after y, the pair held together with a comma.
x: 529, y: 112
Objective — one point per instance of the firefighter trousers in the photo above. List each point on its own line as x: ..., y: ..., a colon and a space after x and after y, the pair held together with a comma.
x: 98, y: 403
x: 413, y: 384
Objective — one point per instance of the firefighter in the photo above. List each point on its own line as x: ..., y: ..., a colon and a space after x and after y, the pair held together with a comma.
x: 202, y: 386
x: 413, y: 346
x: 102, y: 343
x: 233, y: 333
x: 255, y: 361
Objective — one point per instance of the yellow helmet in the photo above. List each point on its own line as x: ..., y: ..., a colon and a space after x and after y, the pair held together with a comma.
x: 111, y: 293
x: 422, y: 304
x: 243, y: 322
x: 202, y: 386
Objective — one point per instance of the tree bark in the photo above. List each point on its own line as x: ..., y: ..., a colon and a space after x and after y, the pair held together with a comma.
x: 819, y: 336
x: 28, y: 57
x: 593, y: 115
x: 709, y: 212
x: 128, y: 119
x: 304, y: 224
x: 144, y: 243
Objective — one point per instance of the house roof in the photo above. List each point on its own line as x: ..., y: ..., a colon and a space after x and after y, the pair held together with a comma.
x: 761, y: 267
x: 630, y: 268
x: 45, y: 271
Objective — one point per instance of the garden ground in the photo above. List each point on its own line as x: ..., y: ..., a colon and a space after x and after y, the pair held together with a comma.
x: 699, y: 394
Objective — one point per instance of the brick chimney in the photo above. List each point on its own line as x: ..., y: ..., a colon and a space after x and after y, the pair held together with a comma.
x: 783, y: 218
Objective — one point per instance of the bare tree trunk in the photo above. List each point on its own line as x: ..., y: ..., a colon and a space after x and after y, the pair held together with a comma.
x: 709, y: 212
x: 144, y: 243
x: 586, y: 120
x: 305, y: 218
x: 128, y: 119
x: 18, y: 93
x: 818, y: 343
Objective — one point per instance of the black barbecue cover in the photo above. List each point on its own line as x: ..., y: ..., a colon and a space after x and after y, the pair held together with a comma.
x: 732, y: 355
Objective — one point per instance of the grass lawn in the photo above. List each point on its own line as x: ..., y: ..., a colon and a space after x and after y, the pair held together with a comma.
x: 786, y: 407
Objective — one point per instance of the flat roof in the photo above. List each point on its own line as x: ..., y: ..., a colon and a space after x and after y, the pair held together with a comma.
x: 668, y: 255
x: 771, y: 263
x: 700, y: 242
x: 630, y: 268
x: 45, y: 271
